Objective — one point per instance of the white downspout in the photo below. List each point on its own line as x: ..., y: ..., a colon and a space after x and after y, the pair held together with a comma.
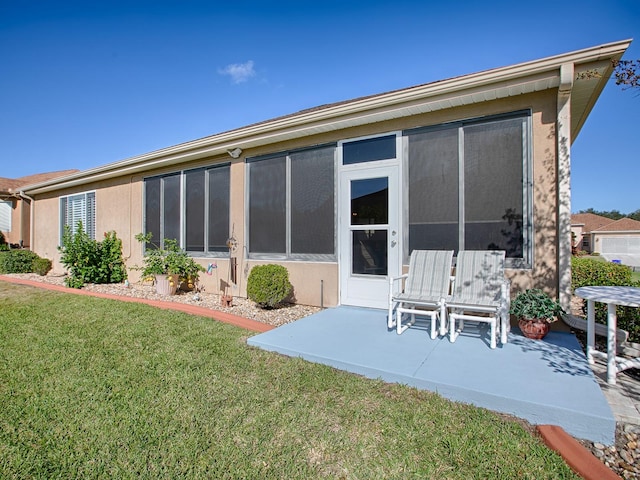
x: 32, y: 215
x: 564, y: 184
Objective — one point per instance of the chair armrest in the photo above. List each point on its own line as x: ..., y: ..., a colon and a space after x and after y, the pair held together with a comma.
x: 392, y: 280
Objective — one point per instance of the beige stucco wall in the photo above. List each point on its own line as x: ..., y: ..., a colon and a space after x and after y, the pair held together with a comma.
x: 119, y: 205
x: 20, y: 230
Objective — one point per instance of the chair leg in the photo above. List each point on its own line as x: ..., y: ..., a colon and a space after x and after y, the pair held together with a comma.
x: 443, y: 319
x: 493, y: 334
x: 398, y: 323
x: 452, y: 328
x: 434, y: 318
x: 390, y: 321
x: 504, y: 328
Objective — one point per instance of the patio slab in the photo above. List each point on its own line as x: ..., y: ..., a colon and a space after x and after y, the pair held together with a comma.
x: 543, y: 382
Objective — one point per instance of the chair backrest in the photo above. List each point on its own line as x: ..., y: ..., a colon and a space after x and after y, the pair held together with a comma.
x: 479, y: 277
x: 429, y: 273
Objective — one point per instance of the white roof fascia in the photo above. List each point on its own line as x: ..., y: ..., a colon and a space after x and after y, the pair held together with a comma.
x: 473, y: 88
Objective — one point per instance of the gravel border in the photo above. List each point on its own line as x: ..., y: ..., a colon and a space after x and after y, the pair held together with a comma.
x: 242, y: 307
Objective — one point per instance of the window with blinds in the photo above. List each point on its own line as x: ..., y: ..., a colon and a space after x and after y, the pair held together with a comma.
x: 79, y: 209
x: 5, y: 215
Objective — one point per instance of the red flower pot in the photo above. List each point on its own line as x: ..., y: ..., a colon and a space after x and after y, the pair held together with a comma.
x: 535, y: 329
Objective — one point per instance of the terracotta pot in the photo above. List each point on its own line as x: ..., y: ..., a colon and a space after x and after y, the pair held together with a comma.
x: 535, y: 329
x: 167, y: 284
x: 226, y: 300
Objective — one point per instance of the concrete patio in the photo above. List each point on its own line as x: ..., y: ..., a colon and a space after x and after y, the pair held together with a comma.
x: 543, y: 382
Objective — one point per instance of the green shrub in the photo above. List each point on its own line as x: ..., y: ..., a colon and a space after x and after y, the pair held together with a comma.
x: 586, y: 271
x: 168, y: 260
x: 17, y: 261
x: 41, y: 266
x: 90, y: 261
x: 268, y: 285
x: 589, y: 272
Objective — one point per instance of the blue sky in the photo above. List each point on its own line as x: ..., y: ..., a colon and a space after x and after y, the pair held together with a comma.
x: 83, y: 84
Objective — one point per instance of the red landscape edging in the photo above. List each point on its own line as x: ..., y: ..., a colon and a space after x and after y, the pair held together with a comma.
x: 581, y: 460
x: 224, y: 317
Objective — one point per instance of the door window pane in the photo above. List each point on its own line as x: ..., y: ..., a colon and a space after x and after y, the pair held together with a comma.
x: 312, y: 201
x: 369, y: 252
x: 370, y: 201
x: 369, y: 150
x: 267, y: 205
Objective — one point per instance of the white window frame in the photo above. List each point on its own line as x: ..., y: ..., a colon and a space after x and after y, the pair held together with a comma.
x: 288, y: 255
x: 6, y: 210
x: 182, y: 221
x: 88, y: 201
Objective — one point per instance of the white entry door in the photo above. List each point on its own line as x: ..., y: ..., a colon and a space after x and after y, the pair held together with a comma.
x: 369, y: 235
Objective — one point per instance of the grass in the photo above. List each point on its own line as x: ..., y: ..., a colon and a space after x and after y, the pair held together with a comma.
x: 93, y: 388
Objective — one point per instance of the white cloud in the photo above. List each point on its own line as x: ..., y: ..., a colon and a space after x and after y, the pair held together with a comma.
x: 239, y: 72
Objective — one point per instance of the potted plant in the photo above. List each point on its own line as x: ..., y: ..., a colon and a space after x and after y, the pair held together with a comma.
x: 169, y: 266
x: 535, y: 311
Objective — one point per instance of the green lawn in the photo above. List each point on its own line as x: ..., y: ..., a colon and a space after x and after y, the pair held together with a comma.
x: 93, y: 388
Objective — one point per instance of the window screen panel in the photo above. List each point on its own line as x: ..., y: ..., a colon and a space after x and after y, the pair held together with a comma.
x: 267, y: 206
x: 219, y: 194
x: 194, y: 210
x: 152, y: 210
x: 493, y: 182
x: 434, y: 190
x: 171, y: 207
x: 312, y: 201
x: 369, y: 150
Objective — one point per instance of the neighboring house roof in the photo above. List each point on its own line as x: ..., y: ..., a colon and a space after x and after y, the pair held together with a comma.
x: 622, y: 225
x: 589, y: 221
x: 11, y: 186
x: 560, y: 72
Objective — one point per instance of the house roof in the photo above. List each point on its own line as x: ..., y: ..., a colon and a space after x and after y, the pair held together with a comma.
x: 13, y: 185
x: 590, y: 221
x: 556, y: 72
x: 622, y: 225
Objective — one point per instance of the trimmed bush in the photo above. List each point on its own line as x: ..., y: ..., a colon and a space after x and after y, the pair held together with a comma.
x: 590, y: 272
x: 41, y: 266
x: 587, y: 271
x: 17, y: 261
x: 268, y: 285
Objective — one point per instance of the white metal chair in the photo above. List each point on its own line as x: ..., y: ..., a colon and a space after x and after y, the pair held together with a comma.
x: 426, y: 288
x: 480, y: 293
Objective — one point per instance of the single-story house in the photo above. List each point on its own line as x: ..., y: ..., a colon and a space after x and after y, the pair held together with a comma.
x: 613, y: 239
x: 582, y: 224
x: 341, y: 194
x: 15, y: 208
